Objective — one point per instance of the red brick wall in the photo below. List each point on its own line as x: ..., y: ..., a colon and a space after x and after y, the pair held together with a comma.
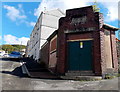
x: 102, y: 45
x: 52, y: 61
x: 69, y: 31
x: 96, y: 53
x: 53, y: 44
x: 79, y: 36
x: 114, y: 51
x: 45, y: 54
x: 65, y: 25
x: 52, y: 54
x: 61, y: 52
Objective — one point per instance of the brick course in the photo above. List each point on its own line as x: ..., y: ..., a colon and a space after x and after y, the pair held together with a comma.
x: 114, y: 51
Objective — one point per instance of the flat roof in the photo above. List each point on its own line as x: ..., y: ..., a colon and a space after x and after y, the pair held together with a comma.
x: 107, y: 26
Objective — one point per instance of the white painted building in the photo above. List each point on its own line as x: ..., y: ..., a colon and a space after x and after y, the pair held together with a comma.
x: 46, y: 24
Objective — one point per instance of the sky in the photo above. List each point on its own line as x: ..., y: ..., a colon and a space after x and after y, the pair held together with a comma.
x: 19, y: 18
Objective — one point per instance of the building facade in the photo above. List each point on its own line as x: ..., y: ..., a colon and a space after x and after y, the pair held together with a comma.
x: 46, y: 24
x: 83, y: 44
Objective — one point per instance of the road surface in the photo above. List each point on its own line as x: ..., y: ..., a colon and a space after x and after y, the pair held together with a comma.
x: 13, y: 79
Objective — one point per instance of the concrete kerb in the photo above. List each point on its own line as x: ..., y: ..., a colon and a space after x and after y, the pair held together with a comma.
x: 24, y: 68
x: 83, y: 78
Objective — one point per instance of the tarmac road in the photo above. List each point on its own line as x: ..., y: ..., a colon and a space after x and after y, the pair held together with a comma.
x: 13, y: 79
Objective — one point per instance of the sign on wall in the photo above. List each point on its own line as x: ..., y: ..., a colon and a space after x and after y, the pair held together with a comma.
x: 81, y: 44
x: 80, y: 20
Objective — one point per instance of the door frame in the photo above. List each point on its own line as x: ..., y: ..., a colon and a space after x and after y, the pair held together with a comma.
x: 92, y: 48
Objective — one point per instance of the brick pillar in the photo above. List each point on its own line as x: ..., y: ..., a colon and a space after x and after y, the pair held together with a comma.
x: 61, y: 49
x: 102, y: 47
x: 114, y: 51
x: 96, y: 53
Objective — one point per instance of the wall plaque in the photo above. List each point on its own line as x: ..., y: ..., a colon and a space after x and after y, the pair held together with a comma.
x: 80, y: 20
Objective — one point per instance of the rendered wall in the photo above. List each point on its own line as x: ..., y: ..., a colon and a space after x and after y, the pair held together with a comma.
x: 50, y: 20
x: 108, y: 53
x: 46, y: 24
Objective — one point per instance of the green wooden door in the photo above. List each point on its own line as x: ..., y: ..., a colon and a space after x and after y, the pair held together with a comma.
x: 80, y: 55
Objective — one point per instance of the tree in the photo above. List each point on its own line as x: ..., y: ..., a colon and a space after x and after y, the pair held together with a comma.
x: 95, y: 7
x: 19, y: 47
x: 8, y: 48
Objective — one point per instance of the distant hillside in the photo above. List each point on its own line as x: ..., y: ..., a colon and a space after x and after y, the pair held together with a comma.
x: 9, y: 48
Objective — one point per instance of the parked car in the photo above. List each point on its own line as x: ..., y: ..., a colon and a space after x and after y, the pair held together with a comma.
x: 15, y: 55
x: 5, y: 55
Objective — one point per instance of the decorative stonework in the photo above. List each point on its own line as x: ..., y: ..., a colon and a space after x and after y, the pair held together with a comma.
x: 82, y: 29
x: 80, y: 20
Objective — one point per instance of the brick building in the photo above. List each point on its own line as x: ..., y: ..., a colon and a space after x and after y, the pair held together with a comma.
x: 118, y: 53
x: 83, y: 45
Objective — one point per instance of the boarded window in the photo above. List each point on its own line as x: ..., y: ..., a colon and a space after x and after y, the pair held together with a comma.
x: 108, y: 53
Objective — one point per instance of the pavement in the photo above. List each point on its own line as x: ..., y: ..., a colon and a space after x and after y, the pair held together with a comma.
x: 14, y: 80
x: 35, y: 70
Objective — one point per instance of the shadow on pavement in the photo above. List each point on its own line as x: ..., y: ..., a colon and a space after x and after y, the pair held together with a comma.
x: 36, y: 70
x: 10, y: 59
x: 39, y: 70
x: 16, y: 72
